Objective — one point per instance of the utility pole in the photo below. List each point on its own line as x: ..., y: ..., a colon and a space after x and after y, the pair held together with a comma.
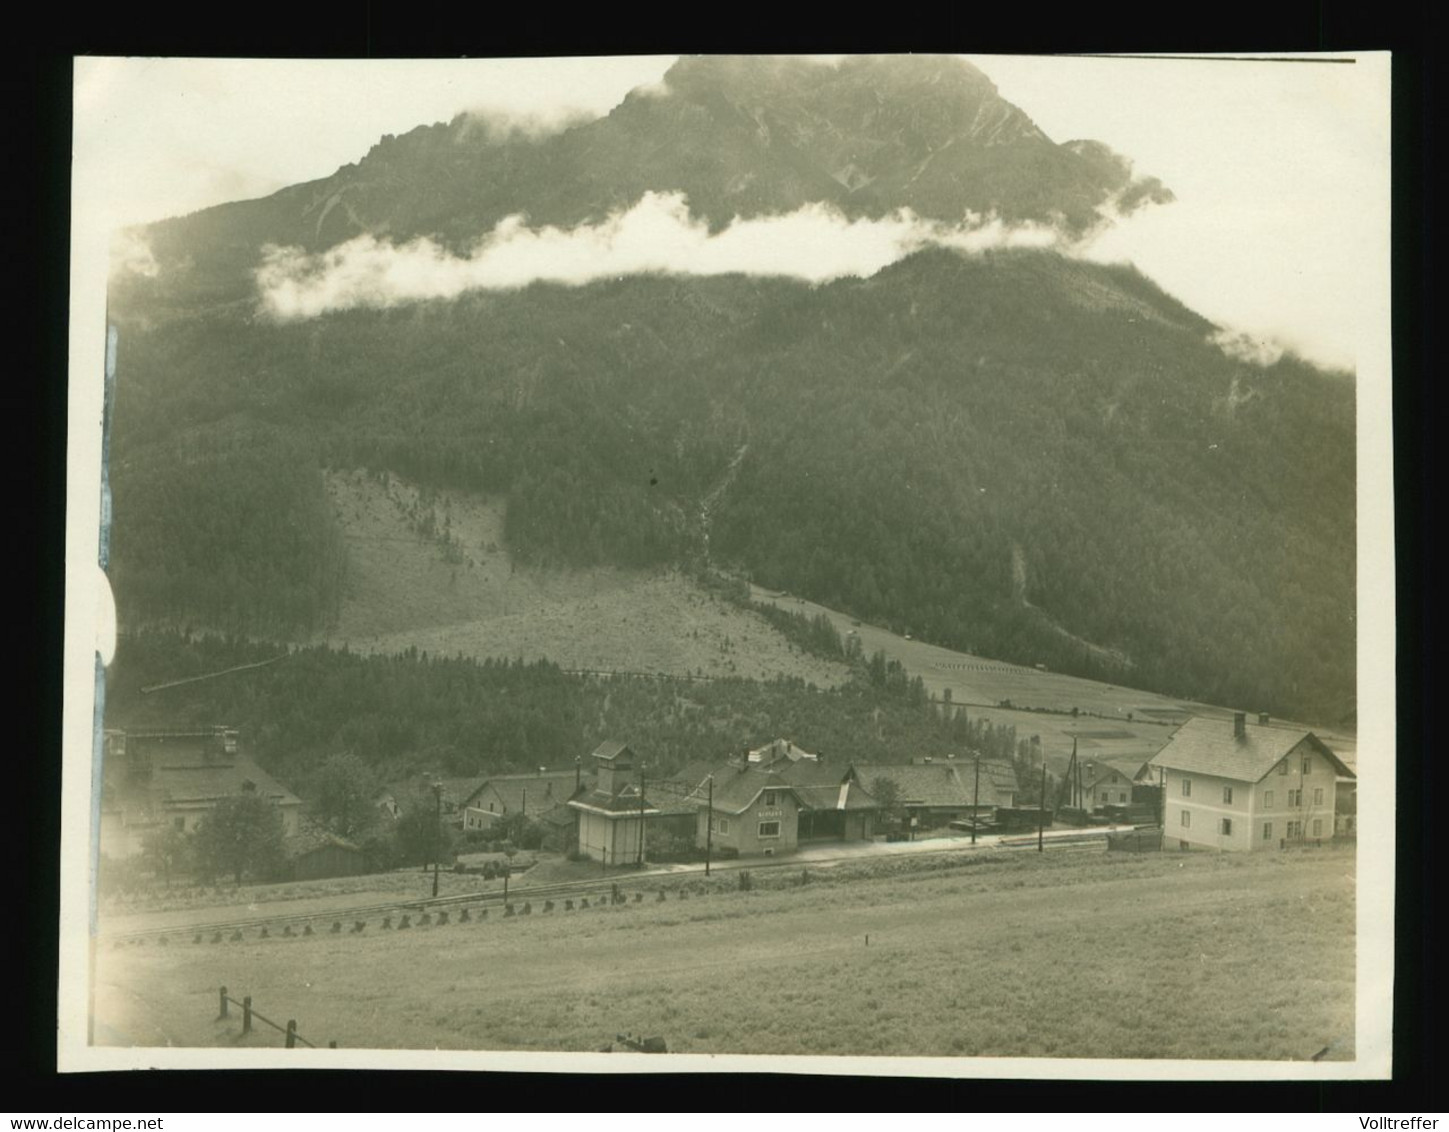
x: 1162, y: 807
x: 976, y: 799
x: 709, y: 826
x: 437, y: 832
x: 641, y: 815
x: 1041, y: 814
x: 524, y: 810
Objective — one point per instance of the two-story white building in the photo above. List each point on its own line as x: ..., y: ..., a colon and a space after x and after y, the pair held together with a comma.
x: 1245, y: 787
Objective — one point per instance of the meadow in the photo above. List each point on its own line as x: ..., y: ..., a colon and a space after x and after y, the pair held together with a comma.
x: 1070, y: 954
x: 432, y: 571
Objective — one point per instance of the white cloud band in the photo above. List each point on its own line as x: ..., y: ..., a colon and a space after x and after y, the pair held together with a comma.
x: 816, y: 243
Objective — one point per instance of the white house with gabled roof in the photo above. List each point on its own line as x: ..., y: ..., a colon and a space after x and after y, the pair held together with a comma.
x: 1247, y: 787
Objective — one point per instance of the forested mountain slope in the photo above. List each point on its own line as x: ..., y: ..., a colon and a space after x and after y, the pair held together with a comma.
x: 1036, y: 458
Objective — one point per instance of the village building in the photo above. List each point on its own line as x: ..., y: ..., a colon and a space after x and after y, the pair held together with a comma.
x: 316, y: 853
x: 452, y: 795
x: 1345, y: 815
x: 1108, y: 784
x: 532, y: 795
x: 612, y: 816
x: 1248, y: 787
x: 935, y: 792
x: 768, y: 800
x: 172, y: 779
x: 746, y: 811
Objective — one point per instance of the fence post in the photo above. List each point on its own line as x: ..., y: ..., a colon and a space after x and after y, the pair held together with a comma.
x: 291, y: 1033
x: 223, y: 1003
x: 247, y: 1014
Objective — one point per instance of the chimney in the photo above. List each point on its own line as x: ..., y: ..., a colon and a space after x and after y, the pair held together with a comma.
x: 1262, y: 719
x: 1240, y: 725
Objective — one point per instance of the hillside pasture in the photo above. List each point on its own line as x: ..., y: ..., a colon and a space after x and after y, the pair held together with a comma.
x: 1114, y: 722
x: 433, y: 573
x: 1067, y: 955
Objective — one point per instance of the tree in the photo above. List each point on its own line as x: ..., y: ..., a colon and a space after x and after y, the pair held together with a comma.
x: 242, y: 834
x: 420, y: 836
x: 167, y: 850
x: 887, y: 792
x: 342, y: 797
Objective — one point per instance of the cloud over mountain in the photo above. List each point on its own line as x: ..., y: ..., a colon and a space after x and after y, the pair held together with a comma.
x: 658, y: 234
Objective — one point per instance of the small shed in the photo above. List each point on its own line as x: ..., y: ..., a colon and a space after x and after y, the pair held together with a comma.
x: 315, y: 854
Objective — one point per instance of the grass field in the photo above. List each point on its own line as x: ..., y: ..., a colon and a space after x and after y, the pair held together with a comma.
x: 1115, y: 722
x: 1070, y: 954
x: 402, y: 591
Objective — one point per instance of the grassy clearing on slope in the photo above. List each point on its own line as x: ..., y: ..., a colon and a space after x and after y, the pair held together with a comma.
x: 1167, y: 956
x: 457, y: 590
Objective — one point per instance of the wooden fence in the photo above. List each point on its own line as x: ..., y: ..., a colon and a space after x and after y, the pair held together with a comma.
x: 249, y: 1016
x: 1135, y: 841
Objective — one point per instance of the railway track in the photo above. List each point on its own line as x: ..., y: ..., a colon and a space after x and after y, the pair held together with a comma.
x: 535, y: 893
x: 362, y: 911
x: 516, y: 894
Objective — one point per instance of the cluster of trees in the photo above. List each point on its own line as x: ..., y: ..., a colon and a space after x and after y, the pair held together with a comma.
x: 1042, y: 460
x: 235, y: 533
x: 397, y: 718
x: 240, y: 837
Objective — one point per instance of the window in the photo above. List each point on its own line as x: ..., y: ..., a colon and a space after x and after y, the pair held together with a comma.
x: 1318, y: 795
x: 1227, y: 795
x: 1267, y: 799
x: 1121, y: 796
x: 1307, y: 765
x: 1185, y: 817
x: 1317, y: 827
x: 179, y: 823
x: 770, y: 797
x: 1283, y: 767
x: 769, y: 829
x: 1295, y: 797
x: 724, y: 825
x: 1226, y: 827
x: 1267, y: 831
x: 1187, y: 788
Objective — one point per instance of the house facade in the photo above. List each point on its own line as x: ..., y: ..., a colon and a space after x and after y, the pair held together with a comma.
x: 1106, y: 785
x: 754, y: 813
x: 936, y: 792
x: 767, y: 801
x: 1247, y: 787
x: 158, y: 779
x: 612, y: 818
x: 529, y: 794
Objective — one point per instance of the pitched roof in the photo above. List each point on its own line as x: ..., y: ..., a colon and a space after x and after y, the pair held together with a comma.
x: 779, y: 751
x: 845, y: 795
x: 1104, y: 771
x: 507, y: 791
x: 186, y: 780
x: 611, y: 749
x: 1208, y: 746
x: 936, y: 784
x: 210, y: 779
x: 311, y: 836
x: 621, y: 803
x: 825, y: 786
x: 457, y: 791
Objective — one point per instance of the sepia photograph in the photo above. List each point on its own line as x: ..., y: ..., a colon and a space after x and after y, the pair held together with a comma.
x: 824, y: 564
